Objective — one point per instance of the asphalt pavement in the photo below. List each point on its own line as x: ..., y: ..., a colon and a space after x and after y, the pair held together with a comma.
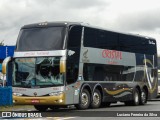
x: 150, y: 111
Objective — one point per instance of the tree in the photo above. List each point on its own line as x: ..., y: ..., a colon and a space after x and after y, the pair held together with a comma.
x: 2, y: 43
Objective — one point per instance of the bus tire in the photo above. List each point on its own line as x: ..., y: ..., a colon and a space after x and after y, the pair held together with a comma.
x: 136, y: 97
x: 84, y: 100
x: 41, y: 108
x: 96, y: 99
x: 54, y: 107
x: 143, y: 98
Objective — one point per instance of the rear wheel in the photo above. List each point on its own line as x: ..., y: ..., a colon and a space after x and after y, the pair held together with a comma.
x: 136, y: 99
x: 96, y: 102
x: 41, y: 108
x: 84, y: 101
x: 143, y: 98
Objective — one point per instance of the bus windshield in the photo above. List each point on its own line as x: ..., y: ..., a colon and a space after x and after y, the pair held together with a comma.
x: 41, y: 72
x: 41, y: 38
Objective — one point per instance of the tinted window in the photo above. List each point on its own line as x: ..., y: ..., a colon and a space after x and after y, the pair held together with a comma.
x: 136, y: 44
x: 90, y: 37
x: 115, y: 41
x: 100, y: 39
x: 72, y: 72
x: 75, y: 36
x: 74, y: 43
x: 47, y: 38
x: 158, y: 59
x: 95, y: 72
x: 150, y: 47
x: 158, y: 82
x: 130, y: 43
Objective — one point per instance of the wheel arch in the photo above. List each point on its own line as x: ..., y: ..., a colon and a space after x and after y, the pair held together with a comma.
x: 146, y: 89
x: 100, y: 88
x: 86, y: 86
x: 138, y: 88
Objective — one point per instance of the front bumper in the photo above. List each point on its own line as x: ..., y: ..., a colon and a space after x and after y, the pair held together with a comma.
x: 44, y: 100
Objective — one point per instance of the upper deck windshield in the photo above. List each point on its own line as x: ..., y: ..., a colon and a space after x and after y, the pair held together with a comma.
x: 41, y: 72
x: 41, y: 38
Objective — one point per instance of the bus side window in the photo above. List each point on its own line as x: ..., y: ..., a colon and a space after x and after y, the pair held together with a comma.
x: 73, y: 44
x: 72, y: 74
x: 99, y: 74
x: 74, y: 37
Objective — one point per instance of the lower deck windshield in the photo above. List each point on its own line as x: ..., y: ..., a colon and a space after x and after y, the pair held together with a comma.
x: 40, y: 72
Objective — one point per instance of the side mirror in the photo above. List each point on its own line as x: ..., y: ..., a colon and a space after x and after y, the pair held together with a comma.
x: 4, y: 64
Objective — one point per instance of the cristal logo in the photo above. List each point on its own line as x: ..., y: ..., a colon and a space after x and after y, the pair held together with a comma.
x: 112, y: 54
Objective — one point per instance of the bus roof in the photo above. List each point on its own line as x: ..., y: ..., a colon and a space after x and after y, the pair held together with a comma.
x: 65, y: 23
x: 46, y: 24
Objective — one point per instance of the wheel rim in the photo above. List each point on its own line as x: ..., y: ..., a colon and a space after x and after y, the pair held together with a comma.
x: 84, y: 99
x: 96, y: 98
x: 143, y: 97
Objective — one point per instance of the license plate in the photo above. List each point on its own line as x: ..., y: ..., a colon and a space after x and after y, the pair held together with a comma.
x: 35, y: 101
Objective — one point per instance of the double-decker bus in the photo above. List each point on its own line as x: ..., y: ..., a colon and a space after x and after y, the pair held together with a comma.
x: 68, y: 63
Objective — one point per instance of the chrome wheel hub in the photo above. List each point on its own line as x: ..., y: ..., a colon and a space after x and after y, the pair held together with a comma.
x: 84, y: 99
x: 96, y: 98
x: 143, y: 97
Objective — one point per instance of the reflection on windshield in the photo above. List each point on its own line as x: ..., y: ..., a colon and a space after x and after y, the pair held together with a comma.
x: 37, y: 72
x: 41, y: 38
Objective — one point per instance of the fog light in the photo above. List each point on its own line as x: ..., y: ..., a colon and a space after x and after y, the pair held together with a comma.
x: 60, y: 100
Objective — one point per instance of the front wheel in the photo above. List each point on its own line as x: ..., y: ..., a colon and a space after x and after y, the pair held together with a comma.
x: 41, y: 108
x: 136, y: 99
x: 84, y: 101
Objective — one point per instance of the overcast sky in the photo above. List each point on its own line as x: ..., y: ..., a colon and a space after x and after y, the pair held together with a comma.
x: 131, y: 16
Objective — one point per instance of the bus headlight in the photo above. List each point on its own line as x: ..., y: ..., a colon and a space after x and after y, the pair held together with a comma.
x: 17, y: 94
x: 56, y: 93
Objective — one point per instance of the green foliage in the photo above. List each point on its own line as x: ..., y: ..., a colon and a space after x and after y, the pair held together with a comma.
x: 2, y: 43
